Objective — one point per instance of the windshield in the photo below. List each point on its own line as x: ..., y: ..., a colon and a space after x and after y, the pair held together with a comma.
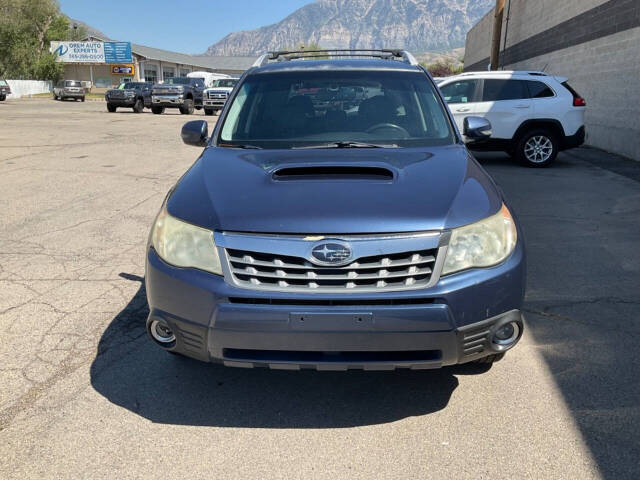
x: 72, y: 83
x: 133, y: 85
x: 178, y: 81
x: 3, y: 83
x: 228, y: 83
x: 320, y: 108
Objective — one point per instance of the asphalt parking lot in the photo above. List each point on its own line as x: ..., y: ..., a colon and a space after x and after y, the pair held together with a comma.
x: 84, y: 393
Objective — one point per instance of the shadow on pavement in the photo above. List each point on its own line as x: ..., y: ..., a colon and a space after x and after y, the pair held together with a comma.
x: 132, y: 372
x: 583, y: 301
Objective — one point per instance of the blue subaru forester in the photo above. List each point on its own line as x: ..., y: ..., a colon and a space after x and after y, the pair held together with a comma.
x: 336, y: 220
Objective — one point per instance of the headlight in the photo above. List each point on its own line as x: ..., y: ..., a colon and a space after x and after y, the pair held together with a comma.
x: 482, y: 244
x: 184, y: 245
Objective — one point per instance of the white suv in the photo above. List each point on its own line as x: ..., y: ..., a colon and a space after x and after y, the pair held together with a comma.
x: 533, y: 115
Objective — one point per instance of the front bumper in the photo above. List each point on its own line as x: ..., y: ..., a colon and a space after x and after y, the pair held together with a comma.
x: 213, y: 103
x: 121, y: 102
x: 167, y: 100
x: 449, y: 323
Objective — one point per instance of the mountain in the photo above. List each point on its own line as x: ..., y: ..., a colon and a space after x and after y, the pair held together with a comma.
x: 416, y: 25
x: 89, y: 30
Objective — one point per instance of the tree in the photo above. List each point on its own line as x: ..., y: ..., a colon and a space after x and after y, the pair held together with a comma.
x: 322, y: 54
x: 27, y: 27
x: 444, y: 68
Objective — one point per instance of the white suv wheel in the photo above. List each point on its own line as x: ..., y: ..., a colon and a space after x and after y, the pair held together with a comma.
x: 538, y: 149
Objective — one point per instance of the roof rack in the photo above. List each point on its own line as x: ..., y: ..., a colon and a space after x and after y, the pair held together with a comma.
x: 385, y: 53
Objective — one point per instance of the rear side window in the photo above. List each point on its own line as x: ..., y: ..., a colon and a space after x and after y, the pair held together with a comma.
x: 539, y: 89
x: 459, y: 92
x: 495, y: 90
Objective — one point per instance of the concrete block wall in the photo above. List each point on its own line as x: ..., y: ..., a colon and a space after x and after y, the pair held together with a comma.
x: 603, y: 65
x: 529, y: 18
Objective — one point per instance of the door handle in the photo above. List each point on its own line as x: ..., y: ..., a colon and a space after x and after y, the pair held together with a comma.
x: 463, y: 109
x: 522, y: 106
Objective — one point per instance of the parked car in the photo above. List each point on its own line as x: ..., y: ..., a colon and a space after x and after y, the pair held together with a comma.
x: 136, y: 95
x: 368, y: 238
x: 209, y: 78
x: 216, y: 96
x: 5, y: 90
x: 533, y: 115
x: 69, y: 89
x: 180, y: 92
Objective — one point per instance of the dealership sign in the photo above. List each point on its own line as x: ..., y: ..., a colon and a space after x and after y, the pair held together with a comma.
x: 122, y: 70
x: 92, y: 52
x: 117, y: 52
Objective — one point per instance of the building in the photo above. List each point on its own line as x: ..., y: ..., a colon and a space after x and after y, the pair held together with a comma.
x: 595, y: 43
x: 152, y: 65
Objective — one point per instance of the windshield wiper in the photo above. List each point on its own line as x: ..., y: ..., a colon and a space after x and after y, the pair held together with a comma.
x: 246, y: 147
x: 348, y: 145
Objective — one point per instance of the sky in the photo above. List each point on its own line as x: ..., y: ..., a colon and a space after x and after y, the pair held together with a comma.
x: 188, y: 26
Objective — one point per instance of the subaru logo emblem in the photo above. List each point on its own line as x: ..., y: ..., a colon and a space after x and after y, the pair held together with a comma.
x: 332, y: 253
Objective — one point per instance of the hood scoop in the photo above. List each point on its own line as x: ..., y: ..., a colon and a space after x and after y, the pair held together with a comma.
x: 333, y: 172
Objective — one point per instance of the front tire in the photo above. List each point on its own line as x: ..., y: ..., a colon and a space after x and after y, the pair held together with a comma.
x: 111, y: 108
x: 82, y: 99
x: 3, y: 98
x: 187, y: 108
x: 157, y: 110
x: 138, y: 107
x: 537, y: 148
x: 209, y: 112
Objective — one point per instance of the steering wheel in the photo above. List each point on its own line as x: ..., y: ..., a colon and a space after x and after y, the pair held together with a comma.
x: 389, y: 126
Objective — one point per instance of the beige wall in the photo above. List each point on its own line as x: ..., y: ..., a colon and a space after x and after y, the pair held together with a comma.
x: 605, y: 71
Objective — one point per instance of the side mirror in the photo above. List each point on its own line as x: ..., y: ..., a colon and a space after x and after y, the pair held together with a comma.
x: 476, y: 129
x: 195, y: 133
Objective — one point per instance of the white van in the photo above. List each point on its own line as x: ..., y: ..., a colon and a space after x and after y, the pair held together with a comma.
x: 208, y: 77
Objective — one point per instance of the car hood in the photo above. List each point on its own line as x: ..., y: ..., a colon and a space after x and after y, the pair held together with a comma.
x: 306, y: 191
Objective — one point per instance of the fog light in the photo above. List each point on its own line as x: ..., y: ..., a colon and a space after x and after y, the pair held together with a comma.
x: 161, y: 331
x: 506, y: 334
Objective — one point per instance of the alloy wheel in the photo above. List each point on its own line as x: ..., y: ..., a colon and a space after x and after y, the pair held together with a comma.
x: 538, y: 149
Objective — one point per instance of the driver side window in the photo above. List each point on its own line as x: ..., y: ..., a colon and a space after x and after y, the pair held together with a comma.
x: 462, y: 91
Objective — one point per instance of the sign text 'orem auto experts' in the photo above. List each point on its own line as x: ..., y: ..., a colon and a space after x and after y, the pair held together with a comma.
x: 92, y: 52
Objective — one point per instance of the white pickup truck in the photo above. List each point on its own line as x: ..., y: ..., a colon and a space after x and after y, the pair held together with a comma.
x: 215, y: 97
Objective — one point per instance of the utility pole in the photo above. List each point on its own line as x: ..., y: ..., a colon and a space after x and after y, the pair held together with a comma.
x: 497, y: 32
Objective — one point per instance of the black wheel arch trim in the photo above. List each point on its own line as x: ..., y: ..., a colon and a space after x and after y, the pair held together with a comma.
x: 540, y: 123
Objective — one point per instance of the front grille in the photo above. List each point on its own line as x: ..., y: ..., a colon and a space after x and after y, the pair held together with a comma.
x: 407, y: 270
x: 166, y: 90
x: 212, y: 95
